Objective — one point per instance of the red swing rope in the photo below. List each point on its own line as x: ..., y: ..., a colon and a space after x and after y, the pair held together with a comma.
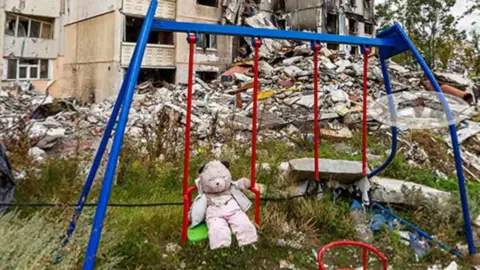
x: 257, y: 43
x: 187, y: 193
x: 316, y: 48
x: 365, y: 104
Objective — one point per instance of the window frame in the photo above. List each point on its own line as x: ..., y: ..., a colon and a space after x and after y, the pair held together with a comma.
x: 209, y: 42
x: 28, y: 67
x: 29, y: 27
x: 371, y: 27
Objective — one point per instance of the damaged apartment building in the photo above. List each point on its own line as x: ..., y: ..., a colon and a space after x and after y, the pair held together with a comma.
x: 102, y: 35
x: 82, y: 48
x: 340, y: 17
x: 32, y: 43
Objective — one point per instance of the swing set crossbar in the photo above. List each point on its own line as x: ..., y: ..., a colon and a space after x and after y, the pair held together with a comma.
x: 389, y: 42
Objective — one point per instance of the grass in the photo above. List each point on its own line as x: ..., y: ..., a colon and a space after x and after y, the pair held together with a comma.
x: 139, y: 238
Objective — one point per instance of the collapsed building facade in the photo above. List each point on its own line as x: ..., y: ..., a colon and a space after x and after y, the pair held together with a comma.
x: 105, y: 34
x: 82, y: 48
x: 32, y: 43
x: 340, y: 17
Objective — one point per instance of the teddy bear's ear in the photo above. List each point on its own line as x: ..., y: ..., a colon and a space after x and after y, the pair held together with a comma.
x: 226, y: 164
x: 202, y: 168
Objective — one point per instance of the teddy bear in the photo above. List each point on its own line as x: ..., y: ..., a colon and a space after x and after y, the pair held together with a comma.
x: 222, y: 205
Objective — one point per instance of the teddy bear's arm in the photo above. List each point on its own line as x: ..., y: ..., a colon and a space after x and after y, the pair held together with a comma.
x: 243, y: 184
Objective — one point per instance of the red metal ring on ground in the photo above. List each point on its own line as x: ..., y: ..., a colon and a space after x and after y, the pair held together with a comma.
x: 365, y: 249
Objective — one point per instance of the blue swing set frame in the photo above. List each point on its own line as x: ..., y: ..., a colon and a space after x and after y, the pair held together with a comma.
x: 390, y: 42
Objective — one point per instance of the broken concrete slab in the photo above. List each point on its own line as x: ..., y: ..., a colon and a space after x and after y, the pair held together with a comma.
x: 327, y: 63
x: 242, y: 77
x: 37, y: 154
x: 292, y: 71
x: 339, y: 96
x: 342, y: 171
x: 456, y: 79
x: 292, y: 60
x: 340, y: 134
x: 306, y: 101
x: 387, y: 190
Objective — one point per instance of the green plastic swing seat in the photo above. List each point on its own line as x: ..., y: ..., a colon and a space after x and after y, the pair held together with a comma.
x: 198, y: 233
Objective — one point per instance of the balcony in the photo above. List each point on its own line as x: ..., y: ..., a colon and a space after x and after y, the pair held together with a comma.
x: 24, y: 47
x: 156, y: 56
x: 166, y: 8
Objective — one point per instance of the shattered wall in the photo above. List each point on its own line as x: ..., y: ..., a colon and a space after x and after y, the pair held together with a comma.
x: 272, y: 5
x: 92, y: 67
x: 30, y: 47
x: 293, y: 5
x: 45, y: 8
x: 214, y: 60
x: 304, y: 15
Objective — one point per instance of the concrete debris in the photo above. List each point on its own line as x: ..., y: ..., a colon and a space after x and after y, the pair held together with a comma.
x: 37, y: 154
x: 342, y: 171
x: 386, y: 190
x: 286, y: 265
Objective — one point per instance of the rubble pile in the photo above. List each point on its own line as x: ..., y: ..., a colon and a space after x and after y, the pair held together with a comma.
x: 286, y: 100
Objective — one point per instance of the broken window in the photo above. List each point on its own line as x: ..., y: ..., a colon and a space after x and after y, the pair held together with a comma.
x: 165, y: 38
x: 353, y: 3
x: 332, y: 23
x: 47, y: 32
x: 368, y: 3
x: 210, y: 3
x: 27, y: 69
x: 157, y: 76
x: 352, y: 27
x: 10, y: 26
x: 12, y: 69
x: 43, y: 69
x: 35, y: 27
x: 22, y: 27
x: 369, y: 29
x: 354, y: 50
x: 132, y: 31
x: 207, y: 76
x: 207, y: 41
x: 332, y: 46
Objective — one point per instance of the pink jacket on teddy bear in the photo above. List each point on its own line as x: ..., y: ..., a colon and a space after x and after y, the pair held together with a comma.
x: 222, y: 204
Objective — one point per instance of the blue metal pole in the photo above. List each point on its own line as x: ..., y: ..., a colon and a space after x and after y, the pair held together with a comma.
x: 203, y: 28
x: 422, y: 233
x: 96, y: 162
x: 118, y: 140
x: 455, y: 144
x: 391, y: 107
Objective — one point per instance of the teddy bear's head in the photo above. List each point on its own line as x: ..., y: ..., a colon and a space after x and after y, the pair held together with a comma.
x: 214, y: 177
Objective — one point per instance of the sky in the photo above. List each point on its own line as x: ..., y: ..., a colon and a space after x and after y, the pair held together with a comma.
x: 457, y: 10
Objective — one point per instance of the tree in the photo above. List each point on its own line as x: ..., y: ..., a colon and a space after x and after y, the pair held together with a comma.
x: 472, y: 53
x: 474, y: 7
x: 428, y: 23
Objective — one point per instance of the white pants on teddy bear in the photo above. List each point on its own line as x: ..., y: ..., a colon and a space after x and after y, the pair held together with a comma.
x: 221, y: 218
